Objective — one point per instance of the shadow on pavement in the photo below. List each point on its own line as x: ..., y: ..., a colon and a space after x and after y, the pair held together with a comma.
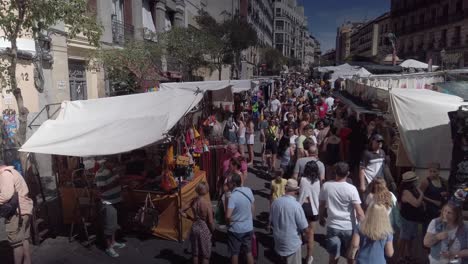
x: 261, y: 194
x: 267, y: 242
x: 172, y: 257
x: 6, y: 253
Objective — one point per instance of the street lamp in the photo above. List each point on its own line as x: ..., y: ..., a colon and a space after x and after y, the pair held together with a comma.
x: 392, y: 38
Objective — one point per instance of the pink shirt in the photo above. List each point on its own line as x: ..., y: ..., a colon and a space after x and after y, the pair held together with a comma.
x: 11, y: 181
x: 227, y: 161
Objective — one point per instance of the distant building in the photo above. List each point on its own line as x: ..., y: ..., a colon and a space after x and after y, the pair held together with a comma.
x: 259, y: 13
x: 369, y: 39
x: 290, y: 31
x: 329, y: 58
x: 343, y: 40
x: 312, y: 52
x: 425, y: 28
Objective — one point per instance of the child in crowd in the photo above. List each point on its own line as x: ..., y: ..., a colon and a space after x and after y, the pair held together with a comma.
x: 277, y: 189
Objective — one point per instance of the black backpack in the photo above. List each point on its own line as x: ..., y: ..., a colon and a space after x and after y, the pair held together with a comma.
x: 8, y: 209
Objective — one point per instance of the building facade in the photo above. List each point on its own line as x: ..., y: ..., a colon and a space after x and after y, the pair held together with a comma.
x: 432, y: 29
x: 328, y: 58
x: 290, y: 30
x: 369, y: 39
x: 311, y: 52
x: 259, y: 14
x: 343, y: 40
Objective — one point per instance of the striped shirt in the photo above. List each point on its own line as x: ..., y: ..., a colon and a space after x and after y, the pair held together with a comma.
x: 108, y: 185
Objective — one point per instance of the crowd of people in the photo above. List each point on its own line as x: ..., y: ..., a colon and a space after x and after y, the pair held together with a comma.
x: 329, y: 166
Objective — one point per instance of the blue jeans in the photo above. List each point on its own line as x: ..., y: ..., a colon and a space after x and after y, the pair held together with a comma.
x: 338, y: 241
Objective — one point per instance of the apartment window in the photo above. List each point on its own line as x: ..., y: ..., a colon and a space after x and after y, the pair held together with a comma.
x: 118, y: 10
x: 457, y: 36
x: 434, y: 13
x: 279, y: 25
x: 279, y: 47
x: 279, y: 38
x: 459, y: 6
x: 278, y: 12
x: 443, y: 39
x: 445, y: 12
x: 421, y: 19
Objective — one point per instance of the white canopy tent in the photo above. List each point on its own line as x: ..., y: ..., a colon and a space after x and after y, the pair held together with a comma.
x: 237, y: 86
x: 119, y: 124
x: 423, y: 122
x: 416, y: 64
x: 344, y: 71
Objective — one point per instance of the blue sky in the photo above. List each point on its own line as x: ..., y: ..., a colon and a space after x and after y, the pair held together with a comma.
x: 326, y: 15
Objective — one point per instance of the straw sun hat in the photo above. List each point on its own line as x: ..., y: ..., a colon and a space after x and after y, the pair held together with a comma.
x: 409, y: 176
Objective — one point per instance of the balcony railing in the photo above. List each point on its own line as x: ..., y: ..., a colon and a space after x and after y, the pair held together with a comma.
x: 121, y: 31
x: 459, y: 15
x: 456, y: 41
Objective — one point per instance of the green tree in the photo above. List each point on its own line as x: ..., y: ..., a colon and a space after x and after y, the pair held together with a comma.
x: 219, y: 49
x: 273, y: 59
x: 235, y: 34
x: 31, y: 17
x: 189, y: 47
x: 130, y: 67
x: 241, y: 36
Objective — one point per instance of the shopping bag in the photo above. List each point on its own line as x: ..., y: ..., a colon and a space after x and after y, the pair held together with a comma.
x: 254, y: 245
x: 147, y: 216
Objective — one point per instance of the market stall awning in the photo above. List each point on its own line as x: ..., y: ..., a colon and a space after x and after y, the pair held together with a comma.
x: 114, y: 125
x: 237, y: 86
x: 416, y: 64
x: 423, y: 123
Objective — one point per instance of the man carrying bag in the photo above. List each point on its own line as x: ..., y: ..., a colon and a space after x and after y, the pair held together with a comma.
x: 16, y: 207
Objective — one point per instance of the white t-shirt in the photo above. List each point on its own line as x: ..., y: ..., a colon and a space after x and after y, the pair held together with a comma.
x: 293, y: 139
x: 275, y: 105
x: 330, y: 101
x: 311, y: 191
x: 456, y: 246
x: 370, y: 200
x: 340, y: 198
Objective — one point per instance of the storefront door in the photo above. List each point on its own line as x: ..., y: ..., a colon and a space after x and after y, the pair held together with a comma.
x: 77, y: 77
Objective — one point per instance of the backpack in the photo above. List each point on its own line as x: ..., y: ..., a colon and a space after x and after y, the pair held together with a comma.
x: 8, y: 209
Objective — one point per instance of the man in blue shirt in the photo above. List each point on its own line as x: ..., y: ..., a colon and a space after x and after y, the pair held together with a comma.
x: 289, y: 222
x: 239, y: 215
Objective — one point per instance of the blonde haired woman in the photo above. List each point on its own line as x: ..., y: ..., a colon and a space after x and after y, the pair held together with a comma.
x: 380, y: 194
x: 374, y: 236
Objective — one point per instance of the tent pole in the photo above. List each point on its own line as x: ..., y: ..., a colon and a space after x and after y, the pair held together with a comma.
x: 179, y: 203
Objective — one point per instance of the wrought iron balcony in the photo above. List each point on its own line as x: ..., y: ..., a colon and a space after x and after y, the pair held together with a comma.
x: 121, y: 31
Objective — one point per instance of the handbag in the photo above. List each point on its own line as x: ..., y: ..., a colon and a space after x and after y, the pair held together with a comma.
x: 147, y: 216
x: 220, y: 213
x: 254, y: 245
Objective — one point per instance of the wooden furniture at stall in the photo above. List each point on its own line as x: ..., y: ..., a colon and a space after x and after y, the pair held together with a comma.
x: 167, y: 204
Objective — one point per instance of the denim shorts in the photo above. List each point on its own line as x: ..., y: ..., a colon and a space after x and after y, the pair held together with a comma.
x: 238, y: 241
x: 338, y: 241
x: 408, y: 229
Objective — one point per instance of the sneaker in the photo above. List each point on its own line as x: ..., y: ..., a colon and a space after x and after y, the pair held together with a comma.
x: 310, y: 260
x: 111, y: 253
x: 118, y: 245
